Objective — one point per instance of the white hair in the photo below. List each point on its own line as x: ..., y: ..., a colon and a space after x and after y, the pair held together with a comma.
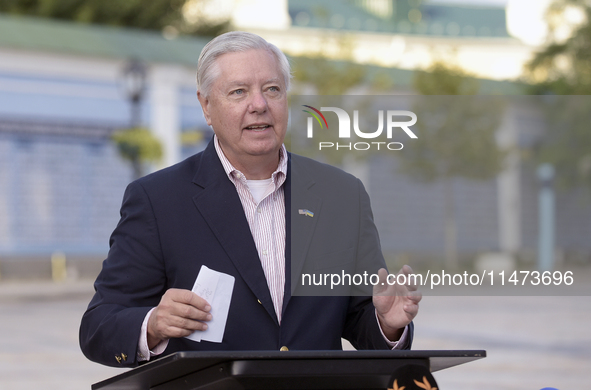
x: 231, y: 42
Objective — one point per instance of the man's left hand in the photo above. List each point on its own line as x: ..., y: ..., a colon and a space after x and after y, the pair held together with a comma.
x: 396, y: 305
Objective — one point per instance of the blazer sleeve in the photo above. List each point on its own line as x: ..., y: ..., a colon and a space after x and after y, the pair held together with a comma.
x: 131, y: 282
x: 361, y: 326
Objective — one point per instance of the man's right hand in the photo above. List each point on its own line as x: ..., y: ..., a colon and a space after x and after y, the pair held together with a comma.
x: 179, y: 313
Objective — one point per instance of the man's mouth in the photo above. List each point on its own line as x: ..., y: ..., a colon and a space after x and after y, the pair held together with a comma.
x: 258, y: 127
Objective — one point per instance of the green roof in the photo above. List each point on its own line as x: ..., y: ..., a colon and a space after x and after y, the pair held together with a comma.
x: 90, y: 40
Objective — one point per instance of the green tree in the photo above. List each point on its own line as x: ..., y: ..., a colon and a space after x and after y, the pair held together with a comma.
x: 456, y: 138
x: 151, y: 15
x: 138, y: 146
x: 563, y: 67
x: 566, y: 142
x: 326, y: 75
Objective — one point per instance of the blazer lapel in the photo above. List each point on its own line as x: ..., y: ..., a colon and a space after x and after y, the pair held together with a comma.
x: 219, y: 204
x: 300, y: 227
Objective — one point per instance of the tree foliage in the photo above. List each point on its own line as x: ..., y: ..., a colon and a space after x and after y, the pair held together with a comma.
x: 456, y: 138
x: 566, y: 140
x: 326, y: 75
x: 151, y: 15
x: 444, y: 79
x: 457, y: 134
x: 562, y: 66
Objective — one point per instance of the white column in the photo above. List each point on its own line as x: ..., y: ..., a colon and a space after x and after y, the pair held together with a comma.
x: 165, y: 121
x: 509, y: 197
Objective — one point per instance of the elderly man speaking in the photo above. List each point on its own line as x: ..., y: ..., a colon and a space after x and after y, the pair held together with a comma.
x: 232, y: 209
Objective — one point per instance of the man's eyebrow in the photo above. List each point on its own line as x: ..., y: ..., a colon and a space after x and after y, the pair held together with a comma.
x: 236, y: 83
x: 241, y: 83
x: 272, y: 80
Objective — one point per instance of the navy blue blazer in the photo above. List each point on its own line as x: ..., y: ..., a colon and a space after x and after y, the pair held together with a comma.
x: 188, y: 215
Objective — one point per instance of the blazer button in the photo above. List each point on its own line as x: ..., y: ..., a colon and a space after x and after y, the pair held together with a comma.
x: 284, y: 348
x: 118, y: 358
x: 124, y: 357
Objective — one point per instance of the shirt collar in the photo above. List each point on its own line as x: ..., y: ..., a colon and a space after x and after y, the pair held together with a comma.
x: 278, y: 176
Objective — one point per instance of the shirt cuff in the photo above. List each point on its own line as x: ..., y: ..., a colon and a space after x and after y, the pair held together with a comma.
x: 144, y: 353
x: 402, y: 341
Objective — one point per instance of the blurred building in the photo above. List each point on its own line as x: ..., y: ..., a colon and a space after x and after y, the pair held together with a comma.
x: 62, y: 96
x: 406, y: 34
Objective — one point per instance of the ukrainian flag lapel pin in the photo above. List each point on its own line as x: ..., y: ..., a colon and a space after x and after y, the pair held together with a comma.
x: 306, y: 212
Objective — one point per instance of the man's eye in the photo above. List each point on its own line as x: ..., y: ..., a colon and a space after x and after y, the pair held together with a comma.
x: 274, y: 89
x: 238, y: 92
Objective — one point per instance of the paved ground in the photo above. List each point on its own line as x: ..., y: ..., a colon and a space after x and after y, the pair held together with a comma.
x: 532, y: 342
x: 39, y: 337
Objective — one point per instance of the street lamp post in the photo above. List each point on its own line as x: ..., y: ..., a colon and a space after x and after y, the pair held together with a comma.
x: 134, y: 79
x: 134, y: 84
x: 546, y: 217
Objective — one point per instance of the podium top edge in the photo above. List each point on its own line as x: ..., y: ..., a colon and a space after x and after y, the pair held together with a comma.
x: 358, y: 354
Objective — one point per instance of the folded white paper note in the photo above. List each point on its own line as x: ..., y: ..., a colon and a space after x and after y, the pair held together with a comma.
x: 216, y: 288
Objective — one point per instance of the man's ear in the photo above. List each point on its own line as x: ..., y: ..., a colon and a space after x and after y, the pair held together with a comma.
x: 204, y: 106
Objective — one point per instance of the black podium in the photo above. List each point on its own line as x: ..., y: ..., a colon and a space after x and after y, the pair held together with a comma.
x: 290, y: 370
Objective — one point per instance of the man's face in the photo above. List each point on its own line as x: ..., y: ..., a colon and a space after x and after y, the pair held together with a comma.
x: 247, y: 105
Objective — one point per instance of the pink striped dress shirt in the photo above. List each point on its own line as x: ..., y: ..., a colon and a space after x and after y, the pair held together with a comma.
x: 266, y: 220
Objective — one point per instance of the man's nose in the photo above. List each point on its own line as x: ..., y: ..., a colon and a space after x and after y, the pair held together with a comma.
x: 258, y: 103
